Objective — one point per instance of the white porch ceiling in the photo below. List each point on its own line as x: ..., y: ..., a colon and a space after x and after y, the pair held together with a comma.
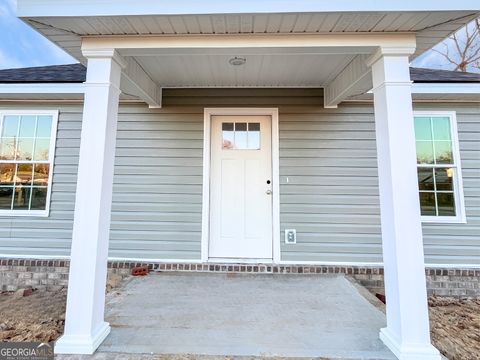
x: 69, y: 23
x: 311, y: 70
x: 430, y: 26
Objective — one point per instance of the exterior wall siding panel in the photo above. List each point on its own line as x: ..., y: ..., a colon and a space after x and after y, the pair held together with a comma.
x: 328, y: 181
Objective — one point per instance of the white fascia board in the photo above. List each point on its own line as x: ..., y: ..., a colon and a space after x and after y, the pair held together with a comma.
x: 445, y: 88
x: 43, y: 88
x: 50, y: 8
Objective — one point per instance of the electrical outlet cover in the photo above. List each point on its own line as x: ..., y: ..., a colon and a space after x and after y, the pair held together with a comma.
x: 290, y: 236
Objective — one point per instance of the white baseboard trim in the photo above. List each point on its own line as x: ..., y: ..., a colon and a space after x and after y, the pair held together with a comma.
x: 409, y: 352
x: 330, y: 263
x: 82, y: 344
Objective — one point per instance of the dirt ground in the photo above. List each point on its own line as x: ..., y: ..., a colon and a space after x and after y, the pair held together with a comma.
x: 38, y: 317
x: 455, y: 324
x: 455, y: 327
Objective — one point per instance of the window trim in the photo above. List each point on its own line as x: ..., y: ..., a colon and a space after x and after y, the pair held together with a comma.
x: 51, y: 158
x: 460, y: 217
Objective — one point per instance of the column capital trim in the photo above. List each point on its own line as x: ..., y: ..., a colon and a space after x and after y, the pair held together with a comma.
x: 105, y: 54
x: 390, y: 51
x: 392, y: 83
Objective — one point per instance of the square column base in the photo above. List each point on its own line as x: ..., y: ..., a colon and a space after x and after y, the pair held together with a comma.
x: 82, y: 344
x: 411, y: 351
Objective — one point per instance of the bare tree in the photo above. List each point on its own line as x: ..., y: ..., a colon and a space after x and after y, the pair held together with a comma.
x: 462, y: 49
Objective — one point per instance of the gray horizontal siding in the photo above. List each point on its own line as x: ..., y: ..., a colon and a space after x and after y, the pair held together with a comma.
x: 328, y: 156
x: 157, y: 192
x: 329, y: 186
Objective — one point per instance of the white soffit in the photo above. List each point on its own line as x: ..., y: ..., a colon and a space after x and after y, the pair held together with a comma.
x: 64, y: 23
x: 294, y: 70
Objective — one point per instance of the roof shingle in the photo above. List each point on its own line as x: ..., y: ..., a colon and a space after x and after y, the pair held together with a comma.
x: 76, y: 73
x: 72, y: 73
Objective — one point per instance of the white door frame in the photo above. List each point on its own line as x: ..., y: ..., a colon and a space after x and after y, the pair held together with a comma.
x: 273, y: 113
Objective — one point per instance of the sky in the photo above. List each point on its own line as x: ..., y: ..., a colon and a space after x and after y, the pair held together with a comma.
x: 21, y: 46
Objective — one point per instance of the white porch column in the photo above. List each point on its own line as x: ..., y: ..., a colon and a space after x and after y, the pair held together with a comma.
x: 85, y: 328
x: 407, y: 333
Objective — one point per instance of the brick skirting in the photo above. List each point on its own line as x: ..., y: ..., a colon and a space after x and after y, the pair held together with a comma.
x: 53, y: 274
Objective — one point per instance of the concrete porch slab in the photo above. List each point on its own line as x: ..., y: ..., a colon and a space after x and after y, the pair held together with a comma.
x: 244, y: 315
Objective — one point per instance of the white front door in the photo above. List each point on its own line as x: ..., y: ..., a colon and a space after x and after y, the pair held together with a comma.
x: 241, y: 187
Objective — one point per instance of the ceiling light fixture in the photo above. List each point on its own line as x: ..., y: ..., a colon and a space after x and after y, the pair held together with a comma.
x: 237, y: 61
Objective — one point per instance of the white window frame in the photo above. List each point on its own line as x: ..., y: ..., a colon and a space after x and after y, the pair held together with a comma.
x: 460, y: 216
x: 51, y: 157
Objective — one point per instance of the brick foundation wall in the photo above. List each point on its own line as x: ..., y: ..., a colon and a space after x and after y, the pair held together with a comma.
x: 53, y: 274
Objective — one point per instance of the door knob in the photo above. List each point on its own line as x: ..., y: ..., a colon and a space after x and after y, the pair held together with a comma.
x: 268, y: 192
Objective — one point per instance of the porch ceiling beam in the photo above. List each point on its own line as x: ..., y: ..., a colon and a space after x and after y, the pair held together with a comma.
x: 134, y: 80
x: 252, y: 41
x: 141, y: 84
x: 354, y: 79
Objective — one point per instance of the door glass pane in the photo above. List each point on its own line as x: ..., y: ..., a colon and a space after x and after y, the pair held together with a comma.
x: 44, y: 126
x: 423, y: 130
x: 441, y: 128
x: 6, y: 194
x: 39, y: 198
x: 41, y: 149
x: 446, y: 204
x: 254, y: 136
x: 10, y: 126
x: 27, y: 126
x: 444, y: 179
x: 424, y: 152
x: 241, y: 136
x: 228, y: 136
x: 425, y: 179
x: 7, y: 174
x: 443, y: 152
x: 427, y: 203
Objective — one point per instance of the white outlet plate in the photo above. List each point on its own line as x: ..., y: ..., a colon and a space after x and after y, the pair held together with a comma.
x: 288, y: 239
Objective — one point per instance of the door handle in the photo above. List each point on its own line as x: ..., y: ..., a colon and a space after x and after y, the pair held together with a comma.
x: 268, y: 192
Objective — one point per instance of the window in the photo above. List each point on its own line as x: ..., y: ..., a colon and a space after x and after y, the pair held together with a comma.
x: 438, y: 167
x: 241, y: 136
x: 27, y: 143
